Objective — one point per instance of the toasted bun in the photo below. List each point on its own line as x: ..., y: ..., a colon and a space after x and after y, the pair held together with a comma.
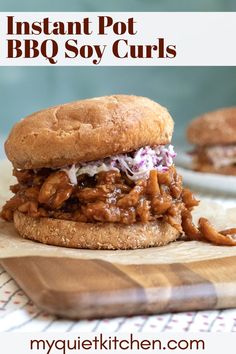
x: 108, y: 236
x: 87, y: 130
x: 209, y: 168
x: 217, y: 127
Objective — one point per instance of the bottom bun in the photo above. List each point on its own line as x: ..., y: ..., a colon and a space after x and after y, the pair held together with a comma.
x: 109, y: 236
x: 208, y: 168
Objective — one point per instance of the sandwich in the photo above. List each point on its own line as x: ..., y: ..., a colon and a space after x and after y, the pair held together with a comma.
x: 214, y: 137
x: 99, y: 174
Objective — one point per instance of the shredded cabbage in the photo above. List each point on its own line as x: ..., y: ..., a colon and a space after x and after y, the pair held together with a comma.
x: 136, y: 165
x: 71, y: 172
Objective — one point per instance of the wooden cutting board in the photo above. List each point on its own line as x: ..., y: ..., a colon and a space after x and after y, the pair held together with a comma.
x: 80, y: 289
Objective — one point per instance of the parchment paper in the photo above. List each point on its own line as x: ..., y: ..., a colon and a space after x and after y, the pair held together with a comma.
x: 12, y: 245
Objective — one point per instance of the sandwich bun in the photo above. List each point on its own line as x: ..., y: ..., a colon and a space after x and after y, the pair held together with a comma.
x: 213, y: 128
x: 210, y: 168
x: 108, y: 236
x: 87, y: 130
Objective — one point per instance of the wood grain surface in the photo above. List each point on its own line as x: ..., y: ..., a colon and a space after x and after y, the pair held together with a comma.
x: 80, y: 289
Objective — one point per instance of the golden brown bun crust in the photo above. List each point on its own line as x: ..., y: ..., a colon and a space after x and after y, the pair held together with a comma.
x: 87, y: 130
x: 209, y: 168
x: 94, y: 235
x: 217, y: 127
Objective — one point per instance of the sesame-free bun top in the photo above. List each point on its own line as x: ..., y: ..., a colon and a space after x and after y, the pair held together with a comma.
x: 213, y: 128
x: 87, y: 130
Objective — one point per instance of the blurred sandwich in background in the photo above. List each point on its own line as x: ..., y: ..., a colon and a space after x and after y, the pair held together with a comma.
x: 214, y: 137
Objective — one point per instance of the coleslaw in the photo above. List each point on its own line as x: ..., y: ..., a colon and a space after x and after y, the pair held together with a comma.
x: 136, y: 165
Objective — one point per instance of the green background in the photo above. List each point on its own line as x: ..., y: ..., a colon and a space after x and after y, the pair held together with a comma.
x: 185, y: 91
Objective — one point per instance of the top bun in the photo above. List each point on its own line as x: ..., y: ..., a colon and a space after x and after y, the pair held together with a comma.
x: 213, y: 128
x: 87, y: 130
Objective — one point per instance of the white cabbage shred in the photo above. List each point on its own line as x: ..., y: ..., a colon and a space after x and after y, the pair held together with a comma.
x: 136, y: 165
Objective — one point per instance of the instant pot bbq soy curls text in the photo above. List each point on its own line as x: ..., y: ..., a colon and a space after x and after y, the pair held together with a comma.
x: 114, y: 195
